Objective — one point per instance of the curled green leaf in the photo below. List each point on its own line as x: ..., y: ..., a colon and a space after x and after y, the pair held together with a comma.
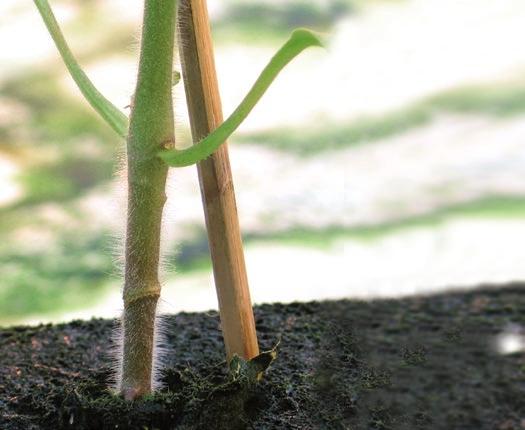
x: 298, y: 42
x: 107, y: 110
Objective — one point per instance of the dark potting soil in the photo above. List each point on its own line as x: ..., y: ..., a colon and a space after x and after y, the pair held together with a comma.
x: 417, y: 363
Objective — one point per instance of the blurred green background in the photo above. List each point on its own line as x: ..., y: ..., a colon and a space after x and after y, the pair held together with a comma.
x: 391, y: 163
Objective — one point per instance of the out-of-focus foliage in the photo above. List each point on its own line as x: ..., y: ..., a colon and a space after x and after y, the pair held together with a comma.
x: 500, y: 101
x: 69, y: 273
x: 56, y: 257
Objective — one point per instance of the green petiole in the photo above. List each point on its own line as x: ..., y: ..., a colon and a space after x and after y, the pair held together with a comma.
x: 107, y: 110
x: 299, y: 41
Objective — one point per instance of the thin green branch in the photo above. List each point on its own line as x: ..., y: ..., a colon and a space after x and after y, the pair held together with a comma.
x: 107, y: 110
x: 298, y: 42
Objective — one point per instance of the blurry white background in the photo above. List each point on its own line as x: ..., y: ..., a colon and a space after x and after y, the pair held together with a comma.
x: 391, y: 163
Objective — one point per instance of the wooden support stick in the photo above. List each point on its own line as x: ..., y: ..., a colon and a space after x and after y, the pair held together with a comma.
x: 218, y: 196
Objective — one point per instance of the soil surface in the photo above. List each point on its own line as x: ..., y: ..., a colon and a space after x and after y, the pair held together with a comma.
x: 416, y: 363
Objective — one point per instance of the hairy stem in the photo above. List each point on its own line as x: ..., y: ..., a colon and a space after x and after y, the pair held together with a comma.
x: 151, y: 128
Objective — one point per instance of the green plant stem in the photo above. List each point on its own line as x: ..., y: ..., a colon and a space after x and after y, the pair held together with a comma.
x: 108, y: 111
x: 151, y: 128
x: 298, y: 42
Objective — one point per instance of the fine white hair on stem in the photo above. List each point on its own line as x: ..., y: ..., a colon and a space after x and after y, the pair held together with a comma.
x: 140, y: 309
x: 120, y: 199
x: 120, y: 191
x: 161, y: 350
x: 160, y: 347
x: 117, y: 349
x: 115, y: 356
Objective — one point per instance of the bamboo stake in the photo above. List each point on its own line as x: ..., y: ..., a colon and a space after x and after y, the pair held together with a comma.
x: 218, y: 196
